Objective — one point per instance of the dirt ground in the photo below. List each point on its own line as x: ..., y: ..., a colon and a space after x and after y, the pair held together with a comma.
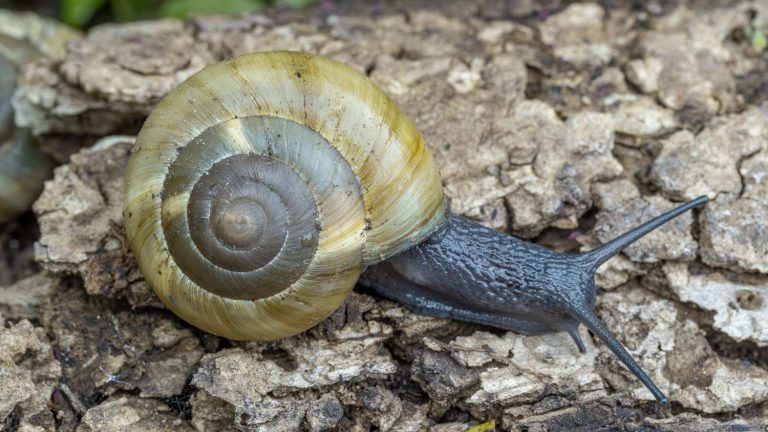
x: 562, y: 123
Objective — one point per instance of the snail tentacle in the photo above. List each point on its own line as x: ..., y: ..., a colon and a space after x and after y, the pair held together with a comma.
x: 472, y: 273
x: 260, y: 189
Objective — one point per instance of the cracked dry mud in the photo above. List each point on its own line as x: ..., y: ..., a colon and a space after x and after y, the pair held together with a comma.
x: 561, y: 123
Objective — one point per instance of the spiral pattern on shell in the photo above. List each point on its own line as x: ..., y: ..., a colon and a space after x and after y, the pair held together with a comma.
x: 259, y: 189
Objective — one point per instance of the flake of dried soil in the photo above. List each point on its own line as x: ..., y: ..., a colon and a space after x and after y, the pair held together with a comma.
x: 249, y: 378
x: 693, y: 59
x: 554, y: 190
x: 708, y: 163
x: 467, y: 134
x: 24, y: 299
x: 109, y: 79
x: 688, y: 422
x: 130, y: 414
x: 103, y: 351
x: 442, y: 378
x: 80, y: 213
x: 211, y: 414
x: 577, y: 35
x: 734, y: 235
x: 538, y: 365
x: 324, y: 413
x: 676, y: 355
x: 644, y: 73
x: 739, y: 303
x: 29, y: 374
x: 641, y: 118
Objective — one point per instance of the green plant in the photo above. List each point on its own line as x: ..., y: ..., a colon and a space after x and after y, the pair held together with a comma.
x: 79, y: 13
x: 756, y: 37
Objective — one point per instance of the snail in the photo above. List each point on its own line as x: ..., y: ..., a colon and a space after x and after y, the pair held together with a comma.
x: 23, y: 166
x: 263, y: 188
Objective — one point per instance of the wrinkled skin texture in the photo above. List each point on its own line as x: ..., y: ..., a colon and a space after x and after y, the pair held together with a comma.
x: 472, y: 273
x: 469, y: 272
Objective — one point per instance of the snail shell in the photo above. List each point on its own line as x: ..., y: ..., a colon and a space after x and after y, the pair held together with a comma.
x: 23, y: 167
x: 23, y: 170
x: 260, y: 188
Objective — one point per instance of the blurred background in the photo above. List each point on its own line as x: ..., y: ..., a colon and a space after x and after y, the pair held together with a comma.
x: 86, y: 13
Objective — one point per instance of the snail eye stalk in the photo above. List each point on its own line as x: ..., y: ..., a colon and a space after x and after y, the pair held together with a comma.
x: 592, y: 260
x: 596, y: 257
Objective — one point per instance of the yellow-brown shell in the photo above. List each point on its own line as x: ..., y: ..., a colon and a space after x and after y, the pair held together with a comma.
x: 304, y: 131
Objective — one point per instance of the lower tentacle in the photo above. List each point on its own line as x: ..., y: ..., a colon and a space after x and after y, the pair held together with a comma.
x: 596, y: 326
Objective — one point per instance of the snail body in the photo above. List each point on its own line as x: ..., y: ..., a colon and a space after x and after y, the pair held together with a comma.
x: 260, y: 189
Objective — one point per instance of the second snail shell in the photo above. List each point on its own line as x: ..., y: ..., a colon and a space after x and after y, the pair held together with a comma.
x: 261, y: 187
x: 23, y: 166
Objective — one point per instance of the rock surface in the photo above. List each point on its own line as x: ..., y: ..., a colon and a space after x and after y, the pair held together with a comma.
x: 25, y: 298
x: 738, y: 301
x: 131, y: 414
x: 29, y: 374
x: 676, y: 354
x: 718, y: 151
x: 251, y: 380
x: 565, y: 123
x: 734, y: 235
x: 92, y: 184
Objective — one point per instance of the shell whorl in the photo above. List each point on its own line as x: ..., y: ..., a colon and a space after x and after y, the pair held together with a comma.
x: 259, y: 189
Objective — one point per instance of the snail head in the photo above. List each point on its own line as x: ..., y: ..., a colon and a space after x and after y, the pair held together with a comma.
x: 575, y: 296
x: 473, y: 273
